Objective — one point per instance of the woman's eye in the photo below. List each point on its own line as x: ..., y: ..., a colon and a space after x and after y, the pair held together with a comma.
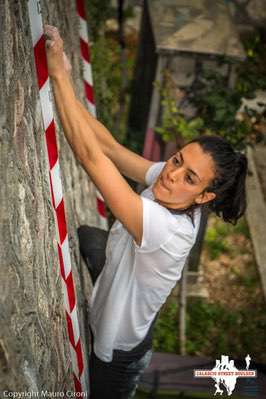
x: 176, y: 161
x: 189, y: 180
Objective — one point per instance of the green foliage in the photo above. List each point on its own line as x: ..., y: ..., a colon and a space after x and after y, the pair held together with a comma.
x: 240, y: 228
x: 174, y: 122
x: 166, y: 330
x: 98, y: 12
x: 251, y: 74
x: 215, y: 240
x: 107, y: 82
x: 218, y: 104
x: 249, y: 280
x: 108, y: 71
x: 212, y: 329
x: 216, y: 237
x: 202, y: 321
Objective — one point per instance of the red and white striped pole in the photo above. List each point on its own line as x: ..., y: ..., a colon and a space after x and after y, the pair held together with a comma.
x: 89, y: 92
x: 70, y: 302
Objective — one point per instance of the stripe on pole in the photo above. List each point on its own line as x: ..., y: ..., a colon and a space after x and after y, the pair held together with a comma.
x: 88, y: 89
x: 70, y: 303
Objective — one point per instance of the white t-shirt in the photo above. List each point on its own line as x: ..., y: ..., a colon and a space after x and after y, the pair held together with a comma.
x: 136, y: 280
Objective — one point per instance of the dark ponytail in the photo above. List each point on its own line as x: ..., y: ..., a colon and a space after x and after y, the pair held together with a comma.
x: 229, y: 182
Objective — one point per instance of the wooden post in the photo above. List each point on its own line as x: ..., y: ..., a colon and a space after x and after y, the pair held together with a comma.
x: 182, y: 310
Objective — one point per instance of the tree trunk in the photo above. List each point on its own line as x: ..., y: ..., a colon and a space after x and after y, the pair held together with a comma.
x: 34, y: 351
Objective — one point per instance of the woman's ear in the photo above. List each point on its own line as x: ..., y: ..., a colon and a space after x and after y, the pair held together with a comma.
x: 207, y: 196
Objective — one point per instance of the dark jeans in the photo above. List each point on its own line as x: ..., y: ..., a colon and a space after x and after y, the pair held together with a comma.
x: 117, y: 379
x: 92, y: 243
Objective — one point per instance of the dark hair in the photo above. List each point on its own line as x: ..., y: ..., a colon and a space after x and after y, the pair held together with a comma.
x: 230, y: 175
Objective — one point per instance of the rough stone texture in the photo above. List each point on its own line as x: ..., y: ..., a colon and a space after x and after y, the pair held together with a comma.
x: 34, y: 352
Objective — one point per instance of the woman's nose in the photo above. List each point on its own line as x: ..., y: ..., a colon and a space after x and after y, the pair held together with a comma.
x: 174, y: 174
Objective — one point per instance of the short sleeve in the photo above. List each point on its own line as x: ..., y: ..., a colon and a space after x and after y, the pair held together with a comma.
x: 153, y: 172
x: 158, y: 225
x: 163, y: 230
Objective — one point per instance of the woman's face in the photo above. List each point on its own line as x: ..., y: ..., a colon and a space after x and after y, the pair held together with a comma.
x: 183, y: 179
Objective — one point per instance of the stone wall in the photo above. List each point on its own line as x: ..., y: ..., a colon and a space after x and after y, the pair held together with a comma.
x: 34, y: 352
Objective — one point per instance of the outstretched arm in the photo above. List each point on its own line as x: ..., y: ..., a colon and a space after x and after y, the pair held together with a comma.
x: 82, y: 139
x: 128, y: 162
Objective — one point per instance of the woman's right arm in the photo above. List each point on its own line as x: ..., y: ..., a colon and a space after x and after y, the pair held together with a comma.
x: 128, y: 162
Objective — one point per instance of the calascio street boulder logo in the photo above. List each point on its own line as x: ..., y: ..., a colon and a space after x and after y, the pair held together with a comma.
x: 225, y: 374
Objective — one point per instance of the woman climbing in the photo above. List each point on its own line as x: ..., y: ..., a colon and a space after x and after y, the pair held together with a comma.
x: 149, y: 242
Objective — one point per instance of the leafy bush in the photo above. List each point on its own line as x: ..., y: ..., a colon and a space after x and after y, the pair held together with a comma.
x: 213, y: 330
x: 218, y: 104
x: 214, y: 240
x: 251, y: 74
x: 174, y: 122
x: 98, y: 12
x: 106, y: 75
x: 165, y: 337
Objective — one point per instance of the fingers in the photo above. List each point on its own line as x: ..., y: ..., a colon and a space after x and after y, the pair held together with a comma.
x: 49, y: 29
x: 52, y: 36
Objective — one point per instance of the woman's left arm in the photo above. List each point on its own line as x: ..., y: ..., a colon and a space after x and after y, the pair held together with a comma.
x: 125, y: 204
